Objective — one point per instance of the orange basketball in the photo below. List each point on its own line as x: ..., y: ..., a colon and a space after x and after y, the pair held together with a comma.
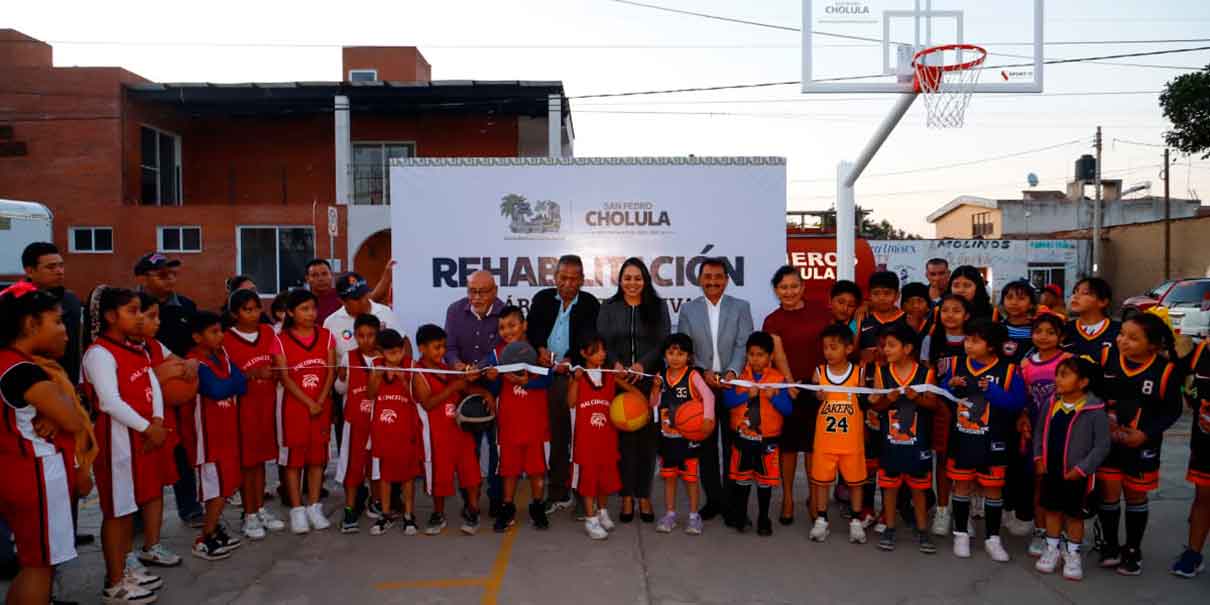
x: 178, y: 391
x: 690, y: 420
x: 629, y: 412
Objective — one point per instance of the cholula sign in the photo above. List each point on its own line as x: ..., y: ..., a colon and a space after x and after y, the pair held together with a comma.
x: 514, y: 217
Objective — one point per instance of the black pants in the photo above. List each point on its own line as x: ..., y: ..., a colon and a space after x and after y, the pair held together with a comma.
x: 637, y: 464
x: 713, y: 470
x: 558, y: 485
x: 1019, y: 480
x: 185, y: 489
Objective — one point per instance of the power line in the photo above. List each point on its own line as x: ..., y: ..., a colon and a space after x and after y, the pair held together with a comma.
x: 876, y: 98
x: 958, y: 164
x: 1129, y: 142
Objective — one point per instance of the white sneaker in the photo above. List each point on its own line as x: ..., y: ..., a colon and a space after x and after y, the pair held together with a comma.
x: 298, y: 520
x: 1017, y: 527
x: 606, y: 522
x: 962, y: 545
x: 1037, y: 544
x: 137, y: 573
x: 941, y: 521
x: 820, y: 531
x: 316, y: 518
x: 995, y: 549
x: 127, y: 592
x: 159, y: 556
x: 269, y: 521
x: 879, y: 527
x: 592, y: 526
x: 1073, y: 566
x: 236, y: 500
x: 856, y: 532
x: 252, y: 528
x: 1049, y: 560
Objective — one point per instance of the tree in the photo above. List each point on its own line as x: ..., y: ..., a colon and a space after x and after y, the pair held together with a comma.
x: 1186, y: 103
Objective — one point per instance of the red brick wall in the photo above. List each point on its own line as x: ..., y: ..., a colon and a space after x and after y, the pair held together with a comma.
x: 394, y: 64
x: 20, y: 50
x: 474, y: 135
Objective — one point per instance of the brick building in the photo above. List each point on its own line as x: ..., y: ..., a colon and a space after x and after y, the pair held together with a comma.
x: 241, y: 178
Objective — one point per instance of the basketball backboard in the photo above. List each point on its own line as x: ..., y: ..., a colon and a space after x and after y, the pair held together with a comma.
x: 866, y: 46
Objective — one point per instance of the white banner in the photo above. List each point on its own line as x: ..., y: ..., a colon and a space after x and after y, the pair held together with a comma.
x: 1003, y: 260
x: 514, y: 217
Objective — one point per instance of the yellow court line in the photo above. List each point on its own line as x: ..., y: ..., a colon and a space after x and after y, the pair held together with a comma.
x: 492, y: 588
x: 441, y: 583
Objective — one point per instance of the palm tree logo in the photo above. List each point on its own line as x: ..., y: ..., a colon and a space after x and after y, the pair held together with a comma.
x: 541, y: 217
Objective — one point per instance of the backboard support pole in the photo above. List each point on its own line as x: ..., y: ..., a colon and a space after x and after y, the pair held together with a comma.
x: 847, y: 174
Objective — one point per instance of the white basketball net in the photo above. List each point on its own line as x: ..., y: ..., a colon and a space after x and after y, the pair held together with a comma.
x: 947, y: 91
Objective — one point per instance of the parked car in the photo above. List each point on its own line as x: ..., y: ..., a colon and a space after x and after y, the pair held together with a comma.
x: 1177, y: 295
x: 1195, y: 321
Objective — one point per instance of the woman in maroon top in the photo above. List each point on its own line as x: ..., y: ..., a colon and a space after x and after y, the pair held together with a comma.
x: 795, y: 328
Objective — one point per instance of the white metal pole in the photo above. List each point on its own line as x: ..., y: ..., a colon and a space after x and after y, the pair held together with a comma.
x: 554, y: 124
x: 343, y: 148
x: 880, y: 136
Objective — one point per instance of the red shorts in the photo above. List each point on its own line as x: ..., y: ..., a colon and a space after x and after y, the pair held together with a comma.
x: 126, y: 476
x: 396, y: 469
x: 219, y: 479
x: 596, y: 479
x: 924, y: 481
x: 768, y: 475
x: 36, y: 500
x: 991, y: 476
x: 354, y: 455
x: 450, y: 459
x: 825, y: 467
x: 308, y: 445
x: 527, y: 458
x: 298, y: 427
x: 1142, y: 482
x: 686, y: 471
x: 257, y: 432
x: 1198, y: 478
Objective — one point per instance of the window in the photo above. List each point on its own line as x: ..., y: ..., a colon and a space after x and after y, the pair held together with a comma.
x: 1044, y: 274
x: 179, y: 239
x: 981, y: 224
x: 371, y: 170
x: 274, y: 256
x: 90, y: 240
x: 161, y: 167
x: 363, y: 75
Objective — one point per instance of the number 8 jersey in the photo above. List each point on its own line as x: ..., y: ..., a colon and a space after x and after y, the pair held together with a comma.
x: 840, y: 425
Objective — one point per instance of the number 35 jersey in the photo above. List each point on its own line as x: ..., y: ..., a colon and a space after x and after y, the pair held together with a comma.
x: 840, y: 426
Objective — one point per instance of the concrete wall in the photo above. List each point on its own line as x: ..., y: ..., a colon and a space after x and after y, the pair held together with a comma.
x: 1049, y: 216
x: 957, y: 223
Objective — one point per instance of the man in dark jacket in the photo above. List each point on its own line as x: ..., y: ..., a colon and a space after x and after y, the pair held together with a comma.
x: 157, y: 275
x: 558, y: 317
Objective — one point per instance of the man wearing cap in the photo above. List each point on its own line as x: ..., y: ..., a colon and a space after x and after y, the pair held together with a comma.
x: 355, y: 300
x: 156, y: 275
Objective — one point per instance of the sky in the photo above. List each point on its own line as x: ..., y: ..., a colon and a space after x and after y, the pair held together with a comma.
x: 603, y: 46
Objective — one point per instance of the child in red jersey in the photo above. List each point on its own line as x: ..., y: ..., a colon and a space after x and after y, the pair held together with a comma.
x: 118, y: 378
x: 305, y: 414
x: 453, y: 450
x: 359, y: 412
x: 252, y: 346
x: 594, y: 438
x: 395, y: 432
x: 216, y: 417
x: 522, y: 420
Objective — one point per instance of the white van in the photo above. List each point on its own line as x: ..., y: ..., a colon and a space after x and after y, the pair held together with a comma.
x: 21, y: 223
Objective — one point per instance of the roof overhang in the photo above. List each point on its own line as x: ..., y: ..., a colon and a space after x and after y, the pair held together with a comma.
x: 962, y: 200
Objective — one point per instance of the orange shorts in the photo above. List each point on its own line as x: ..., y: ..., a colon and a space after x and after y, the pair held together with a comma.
x: 1198, y: 478
x: 768, y: 475
x: 1142, y: 482
x: 824, y: 467
x: 686, y: 471
x: 988, y: 476
x: 924, y: 481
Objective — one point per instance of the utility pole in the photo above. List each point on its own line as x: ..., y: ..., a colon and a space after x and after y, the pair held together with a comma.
x: 1096, y: 212
x: 1167, y: 221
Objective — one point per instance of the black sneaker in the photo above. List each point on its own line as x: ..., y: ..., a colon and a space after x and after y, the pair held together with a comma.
x: 764, y: 526
x: 1111, y: 556
x: 228, y: 543
x: 470, y: 521
x: 210, y: 548
x: 924, y: 542
x: 349, y: 524
x: 505, y: 517
x: 1132, y: 562
x: 887, y: 541
x: 409, y: 526
x: 373, y: 509
x: 709, y: 511
x: 381, y: 526
x: 537, y: 514
x: 436, y: 525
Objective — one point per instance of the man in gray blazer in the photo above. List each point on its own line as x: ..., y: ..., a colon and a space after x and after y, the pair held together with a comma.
x: 719, y: 326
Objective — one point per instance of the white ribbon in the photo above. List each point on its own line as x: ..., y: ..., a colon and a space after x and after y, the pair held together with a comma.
x: 919, y: 388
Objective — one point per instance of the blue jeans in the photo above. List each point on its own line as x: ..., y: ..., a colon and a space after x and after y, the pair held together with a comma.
x: 495, y: 485
x: 7, y: 551
x: 185, y: 489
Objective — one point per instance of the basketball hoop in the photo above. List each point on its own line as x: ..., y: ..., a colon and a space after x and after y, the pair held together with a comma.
x: 947, y: 82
